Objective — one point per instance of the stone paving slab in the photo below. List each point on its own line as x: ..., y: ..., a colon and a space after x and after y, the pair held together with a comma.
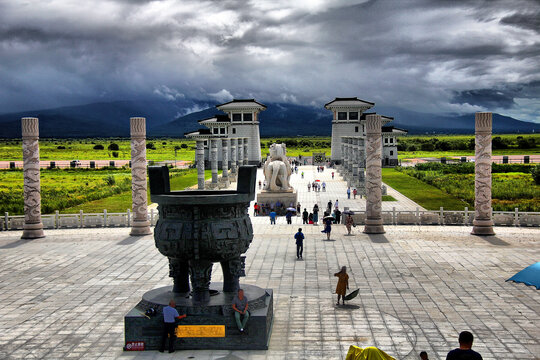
x: 64, y: 296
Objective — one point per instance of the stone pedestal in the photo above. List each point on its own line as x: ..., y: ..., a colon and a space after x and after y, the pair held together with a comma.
x: 217, y: 313
x: 214, y: 162
x: 140, y: 225
x: 224, y: 180
x: 284, y: 197
x: 33, y: 227
x: 374, y: 221
x: 482, y: 223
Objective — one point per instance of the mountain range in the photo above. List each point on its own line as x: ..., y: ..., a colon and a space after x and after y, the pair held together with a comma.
x: 174, y: 118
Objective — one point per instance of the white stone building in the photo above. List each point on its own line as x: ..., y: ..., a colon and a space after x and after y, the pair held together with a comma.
x: 241, y: 122
x: 349, y: 120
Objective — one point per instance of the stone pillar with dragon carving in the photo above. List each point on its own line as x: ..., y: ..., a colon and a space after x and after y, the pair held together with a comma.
x: 374, y: 221
x: 246, y: 155
x: 342, y: 165
x: 482, y: 223
x: 140, y: 225
x: 240, y: 151
x: 33, y: 227
x: 225, y: 163
x: 214, y: 162
x: 234, y: 157
x: 355, y: 159
x: 199, y: 157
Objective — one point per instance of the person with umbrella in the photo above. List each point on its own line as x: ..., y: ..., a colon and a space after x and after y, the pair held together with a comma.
x: 342, y: 285
x: 349, y: 222
x: 328, y: 226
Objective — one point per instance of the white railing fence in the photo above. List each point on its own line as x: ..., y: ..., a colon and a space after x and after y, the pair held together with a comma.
x: 394, y: 217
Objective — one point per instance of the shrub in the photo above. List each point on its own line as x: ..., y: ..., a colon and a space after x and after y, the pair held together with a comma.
x: 151, y: 146
x: 535, y: 172
x: 115, y: 154
x: 98, y: 147
x: 110, y: 180
x: 183, y: 146
x: 113, y: 146
x: 60, y: 147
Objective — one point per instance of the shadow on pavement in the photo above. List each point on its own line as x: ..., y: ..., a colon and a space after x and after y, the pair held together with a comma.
x: 378, y: 238
x: 347, y: 307
x: 493, y: 240
x: 130, y: 240
x: 14, y: 244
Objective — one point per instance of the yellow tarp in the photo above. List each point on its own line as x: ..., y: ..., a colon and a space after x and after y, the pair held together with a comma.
x: 369, y: 353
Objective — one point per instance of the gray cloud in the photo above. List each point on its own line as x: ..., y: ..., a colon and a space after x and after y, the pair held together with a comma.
x: 444, y: 56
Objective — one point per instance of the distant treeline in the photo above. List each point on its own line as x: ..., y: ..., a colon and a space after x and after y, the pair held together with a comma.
x: 448, y: 143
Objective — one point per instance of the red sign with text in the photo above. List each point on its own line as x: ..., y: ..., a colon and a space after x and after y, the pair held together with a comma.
x: 135, y: 346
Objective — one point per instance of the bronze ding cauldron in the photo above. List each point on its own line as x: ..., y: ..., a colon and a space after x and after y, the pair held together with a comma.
x: 198, y: 228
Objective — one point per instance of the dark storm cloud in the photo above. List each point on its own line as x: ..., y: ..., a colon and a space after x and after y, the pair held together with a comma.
x: 457, y: 56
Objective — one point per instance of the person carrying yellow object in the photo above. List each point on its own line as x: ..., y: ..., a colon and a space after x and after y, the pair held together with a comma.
x: 368, y: 353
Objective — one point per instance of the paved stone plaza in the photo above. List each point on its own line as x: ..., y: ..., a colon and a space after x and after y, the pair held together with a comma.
x: 65, y: 296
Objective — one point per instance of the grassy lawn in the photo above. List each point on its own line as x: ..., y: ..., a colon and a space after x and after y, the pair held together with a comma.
x: 425, y: 195
x: 458, y: 153
x: 388, y: 198
x: 121, y: 202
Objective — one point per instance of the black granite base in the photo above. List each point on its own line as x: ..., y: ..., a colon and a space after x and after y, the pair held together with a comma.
x: 218, y: 311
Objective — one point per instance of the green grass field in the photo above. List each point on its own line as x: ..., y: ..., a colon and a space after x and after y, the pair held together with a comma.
x: 425, y: 195
x: 71, y: 190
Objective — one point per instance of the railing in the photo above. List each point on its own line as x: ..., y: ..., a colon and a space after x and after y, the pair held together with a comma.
x: 80, y: 220
x: 451, y: 217
x: 394, y: 217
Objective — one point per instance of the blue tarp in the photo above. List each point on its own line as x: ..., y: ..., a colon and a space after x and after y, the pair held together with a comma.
x: 529, y: 276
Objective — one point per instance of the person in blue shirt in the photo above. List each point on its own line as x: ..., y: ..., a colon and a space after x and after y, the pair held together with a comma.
x: 170, y: 315
x: 288, y: 216
x: 272, y: 217
x: 299, y: 243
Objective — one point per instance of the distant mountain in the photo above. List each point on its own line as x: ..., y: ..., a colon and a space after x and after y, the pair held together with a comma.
x: 166, y: 118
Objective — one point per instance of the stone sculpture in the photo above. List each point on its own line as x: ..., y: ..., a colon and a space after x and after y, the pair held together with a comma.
x: 277, y: 169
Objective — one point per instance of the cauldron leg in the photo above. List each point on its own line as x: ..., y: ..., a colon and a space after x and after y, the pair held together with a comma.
x: 232, y: 270
x: 201, y: 272
x: 179, y: 271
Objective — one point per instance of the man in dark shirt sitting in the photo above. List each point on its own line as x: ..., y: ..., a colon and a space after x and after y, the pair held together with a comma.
x: 464, y: 352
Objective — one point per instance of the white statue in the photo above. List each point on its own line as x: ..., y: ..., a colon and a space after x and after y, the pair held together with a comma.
x: 277, y: 169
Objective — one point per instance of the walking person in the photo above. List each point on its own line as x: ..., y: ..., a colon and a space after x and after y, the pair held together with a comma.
x: 170, y: 315
x: 338, y: 216
x: 323, y: 186
x: 298, y: 208
x: 240, y: 307
x: 332, y: 175
x: 327, y: 227
x: 272, y: 217
x: 305, y: 216
x: 342, y: 285
x: 329, y: 205
x: 349, y: 222
x: 316, y: 214
x: 348, y: 193
x: 355, y: 192
x: 309, y: 187
x: 299, y: 236
x: 336, y: 204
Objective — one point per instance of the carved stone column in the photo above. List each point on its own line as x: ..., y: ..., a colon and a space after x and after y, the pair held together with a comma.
x: 240, y: 151
x: 342, y: 165
x: 354, y: 177
x: 361, y: 167
x: 345, y: 158
x: 246, y: 154
x: 374, y: 221
x: 225, y: 162
x: 214, y: 161
x: 33, y: 227
x: 140, y: 224
x: 482, y: 223
x: 233, y: 158
x: 351, y: 158
x: 199, y: 156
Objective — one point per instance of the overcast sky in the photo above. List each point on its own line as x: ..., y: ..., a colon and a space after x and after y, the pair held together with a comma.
x: 431, y: 56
